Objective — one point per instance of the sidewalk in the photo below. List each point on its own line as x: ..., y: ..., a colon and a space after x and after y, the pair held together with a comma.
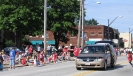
x: 6, y: 65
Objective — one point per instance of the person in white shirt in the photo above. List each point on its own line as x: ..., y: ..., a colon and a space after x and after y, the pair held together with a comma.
x: 38, y: 49
x: 125, y: 50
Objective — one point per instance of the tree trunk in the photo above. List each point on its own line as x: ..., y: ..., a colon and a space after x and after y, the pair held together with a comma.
x: 18, y: 39
x: 56, y: 40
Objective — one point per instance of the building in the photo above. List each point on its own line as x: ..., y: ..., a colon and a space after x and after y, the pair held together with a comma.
x: 92, y: 33
x: 126, y: 39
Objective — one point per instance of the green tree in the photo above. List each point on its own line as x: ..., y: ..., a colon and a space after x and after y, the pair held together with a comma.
x: 61, y: 18
x: 21, y: 16
x: 9, y: 43
x: 91, y: 22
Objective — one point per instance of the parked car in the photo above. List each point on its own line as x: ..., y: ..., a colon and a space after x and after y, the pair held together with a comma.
x: 96, y: 56
x: 7, y: 49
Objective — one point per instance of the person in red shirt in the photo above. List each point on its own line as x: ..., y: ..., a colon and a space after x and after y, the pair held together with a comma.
x: 76, y: 51
x: 54, y: 57
x: 30, y: 50
x: 65, y: 50
x: 129, y: 56
x: 42, y: 62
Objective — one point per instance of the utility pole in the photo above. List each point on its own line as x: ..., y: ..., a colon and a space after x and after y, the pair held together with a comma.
x: 79, y: 26
x: 45, y: 23
x: 82, y: 44
x: 108, y: 29
x: 129, y: 39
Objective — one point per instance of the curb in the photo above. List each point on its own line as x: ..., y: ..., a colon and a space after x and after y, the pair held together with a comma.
x: 4, y: 67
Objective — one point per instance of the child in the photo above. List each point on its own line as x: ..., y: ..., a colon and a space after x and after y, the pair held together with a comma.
x: 42, y: 58
x: 54, y: 57
x: 35, y: 59
x: 68, y: 56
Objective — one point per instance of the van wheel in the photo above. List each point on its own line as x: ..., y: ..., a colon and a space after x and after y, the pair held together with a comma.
x: 78, y: 68
x: 105, y: 65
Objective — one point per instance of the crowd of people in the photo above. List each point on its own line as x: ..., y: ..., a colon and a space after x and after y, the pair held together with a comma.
x: 123, y: 51
x: 38, y: 56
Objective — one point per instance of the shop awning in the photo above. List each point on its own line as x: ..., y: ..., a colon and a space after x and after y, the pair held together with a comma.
x: 36, y: 42
x: 51, y: 42
x: 90, y: 42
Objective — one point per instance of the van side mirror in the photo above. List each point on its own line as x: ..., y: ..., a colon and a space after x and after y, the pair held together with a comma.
x: 108, y: 52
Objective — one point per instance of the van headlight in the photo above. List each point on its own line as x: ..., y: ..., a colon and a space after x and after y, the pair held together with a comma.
x: 98, y: 59
x: 79, y: 60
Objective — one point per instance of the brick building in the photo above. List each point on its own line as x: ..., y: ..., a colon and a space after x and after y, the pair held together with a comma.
x: 91, y: 33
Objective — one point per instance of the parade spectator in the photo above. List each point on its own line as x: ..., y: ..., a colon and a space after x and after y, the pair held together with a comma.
x: 65, y: 50
x: 30, y: 50
x: 19, y: 57
x: 59, y: 49
x: 60, y: 57
x: 54, y: 49
x: 35, y: 59
x: 76, y: 51
x: 68, y: 56
x: 5, y: 57
x: 129, y: 56
x: 1, y: 62
x: 12, y: 58
x: 42, y: 62
x: 45, y: 57
x: 48, y: 49
x: 38, y: 49
x: 23, y: 60
x: 38, y: 58
x: 54, y: 57
x: 26, y: 50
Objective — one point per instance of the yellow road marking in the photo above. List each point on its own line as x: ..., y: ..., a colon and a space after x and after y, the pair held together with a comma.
x: 91, y: 71
x: 84, y: 73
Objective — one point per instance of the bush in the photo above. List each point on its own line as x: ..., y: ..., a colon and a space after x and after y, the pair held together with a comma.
x: 9, y: 43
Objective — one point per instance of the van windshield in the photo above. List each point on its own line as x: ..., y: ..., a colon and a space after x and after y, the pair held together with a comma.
x: 93, y: 50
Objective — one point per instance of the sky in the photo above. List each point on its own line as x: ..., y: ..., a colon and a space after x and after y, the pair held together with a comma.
x: 110, y: 9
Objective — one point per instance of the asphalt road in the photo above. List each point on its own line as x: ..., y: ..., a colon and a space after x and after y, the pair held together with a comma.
x: 123, y: 68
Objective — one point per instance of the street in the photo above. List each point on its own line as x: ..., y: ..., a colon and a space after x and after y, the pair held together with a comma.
x: 123, y: 68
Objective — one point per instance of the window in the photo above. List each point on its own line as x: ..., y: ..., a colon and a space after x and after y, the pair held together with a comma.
x: 85, y: 35
x: 92, y: 33
x: 93, y: 50
x: 72, y: 35
x: 47, y: 34
x: 100, y: 33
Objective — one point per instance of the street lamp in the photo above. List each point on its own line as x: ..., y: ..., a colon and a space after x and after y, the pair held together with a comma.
x: 111, y: 23
x: 45, y: 23
x: 129, y: 42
